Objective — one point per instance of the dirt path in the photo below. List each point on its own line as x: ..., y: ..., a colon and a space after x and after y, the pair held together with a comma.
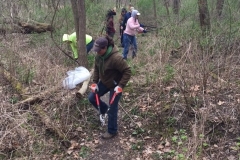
x: 109, y: 149
x: 112, y: 148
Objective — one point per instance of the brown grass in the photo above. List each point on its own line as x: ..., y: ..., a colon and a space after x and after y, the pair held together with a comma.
x: 200, y: 98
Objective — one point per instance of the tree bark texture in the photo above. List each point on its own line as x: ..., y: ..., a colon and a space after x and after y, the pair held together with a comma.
x: 78, y: 7
x: 35, y: 28
x: 155, y: 15
x: 166, y: 4
x: 204, y: 15
x: 75, y: 14
x: 176, y: 6
x: 82, y: 34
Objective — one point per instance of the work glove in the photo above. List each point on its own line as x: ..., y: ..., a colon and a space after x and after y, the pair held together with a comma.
x: 117, y: 89
x: 94, y: 87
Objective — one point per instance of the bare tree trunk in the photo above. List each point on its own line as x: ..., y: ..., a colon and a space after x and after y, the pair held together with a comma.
x: 82, y: 34
x: 78, y: 7
x: 176, y: 6
x: 166, y: 4
x: 219, y: 7
x: 204, y: 15
x: 155, y: 15
x: 75, y: 14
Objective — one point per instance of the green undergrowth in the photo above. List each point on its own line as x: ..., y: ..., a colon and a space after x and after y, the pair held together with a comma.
x: 172, y: 95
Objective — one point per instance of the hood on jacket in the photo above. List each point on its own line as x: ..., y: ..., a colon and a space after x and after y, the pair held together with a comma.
x: 134, y: 13
x: 70, y: 37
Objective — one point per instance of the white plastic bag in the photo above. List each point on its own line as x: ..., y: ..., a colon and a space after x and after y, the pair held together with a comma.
x: 75, y: 77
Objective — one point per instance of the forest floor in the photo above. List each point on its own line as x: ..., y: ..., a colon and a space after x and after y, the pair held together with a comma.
x: 154, y: 120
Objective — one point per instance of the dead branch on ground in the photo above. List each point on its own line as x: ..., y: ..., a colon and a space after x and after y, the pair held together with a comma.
x: 48, y: 122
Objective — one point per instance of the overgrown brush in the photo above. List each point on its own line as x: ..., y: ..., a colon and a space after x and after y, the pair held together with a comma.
x: 183, y: 95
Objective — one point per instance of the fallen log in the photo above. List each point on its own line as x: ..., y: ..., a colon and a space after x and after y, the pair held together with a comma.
x: 84, y: 87
x: 14, y: 82
x: 35, y: 28
x: 48, y: 122
x: 51, y: 125
x: 37, y: 98
x: 26, y: 26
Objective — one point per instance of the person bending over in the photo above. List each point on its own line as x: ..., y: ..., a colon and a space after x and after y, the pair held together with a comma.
x: 111, y: 73
x: 72, y: 40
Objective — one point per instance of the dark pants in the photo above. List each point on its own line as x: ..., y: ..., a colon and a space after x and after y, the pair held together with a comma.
x: 113, y: 111
x: 121, y: 33
x: 127, y: 41
x: 89, y: 46
x: 111, y: 34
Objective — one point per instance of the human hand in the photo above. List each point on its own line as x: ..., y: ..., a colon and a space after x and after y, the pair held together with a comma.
x: 117, y: 89
x: 94, y: 87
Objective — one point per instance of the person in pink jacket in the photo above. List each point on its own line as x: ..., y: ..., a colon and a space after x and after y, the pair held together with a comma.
x: 129, y: 38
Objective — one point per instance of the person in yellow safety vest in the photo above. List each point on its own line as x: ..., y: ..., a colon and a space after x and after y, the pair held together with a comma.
x: 72, y: 40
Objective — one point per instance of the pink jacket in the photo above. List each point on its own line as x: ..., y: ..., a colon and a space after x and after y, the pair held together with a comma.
x: 132, y: 27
